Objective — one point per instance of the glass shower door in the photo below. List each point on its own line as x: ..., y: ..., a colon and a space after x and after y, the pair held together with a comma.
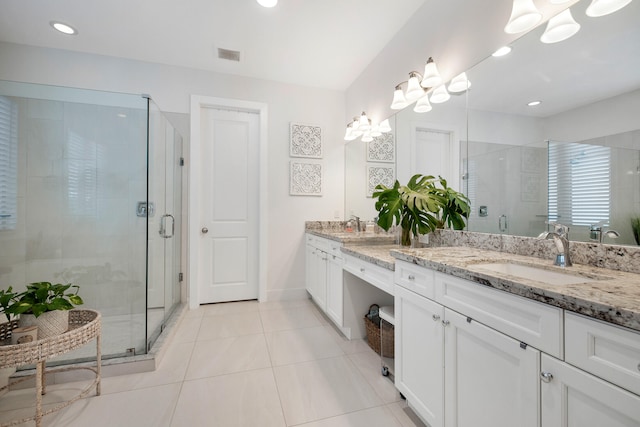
x: 164, y: 222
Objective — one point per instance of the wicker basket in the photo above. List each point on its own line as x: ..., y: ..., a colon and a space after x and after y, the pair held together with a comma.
x: 373, y: 335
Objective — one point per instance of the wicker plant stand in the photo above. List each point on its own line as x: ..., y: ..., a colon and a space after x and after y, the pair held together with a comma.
x: 84, y: 325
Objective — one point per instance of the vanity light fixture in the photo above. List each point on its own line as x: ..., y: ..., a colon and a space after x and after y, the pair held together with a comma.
x: 365, y: 129
x: 560, y: 27
x: 385, y: 126
x: 367, y: 137
x: 524, y: 16
x: 534, y: 103
x: 440, y: 95
x: 364, y: 123
x: 355, y: 127
x: 431, y: 76
x: 399, y: 100
x: 423, y: 105
x: 350, y: 134
x: 267, y: 3
x: 504, y: 50
x: 414, y: 88
x: 604, y: 7
x: 460, y: 83
x: 64, y: 28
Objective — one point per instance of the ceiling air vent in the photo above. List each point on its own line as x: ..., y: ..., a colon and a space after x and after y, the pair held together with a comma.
x: 230, y: 55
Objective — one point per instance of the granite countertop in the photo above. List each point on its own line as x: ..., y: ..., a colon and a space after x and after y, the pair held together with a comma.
x: 379, y: 254
x: 355, y: 238
x: 609, y: 295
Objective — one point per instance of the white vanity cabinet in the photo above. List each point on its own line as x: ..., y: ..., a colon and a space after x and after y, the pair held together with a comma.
x: 324, y: 276
x: 316, y: 275
x: 599, y: 382
x: 467, y: 355
x: 419, y: 353
x: 335, y: 298
x: 454, y: 370
x: 573, y: 397
x: 490, y: 379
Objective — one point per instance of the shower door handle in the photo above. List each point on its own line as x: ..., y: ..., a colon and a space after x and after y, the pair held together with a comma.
x: 502, y: 223
x: 163, y: 226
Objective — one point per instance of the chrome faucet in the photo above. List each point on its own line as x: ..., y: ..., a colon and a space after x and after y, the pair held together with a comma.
x: 560, y: 237
x: 596, y: 233
x: 357, y: 219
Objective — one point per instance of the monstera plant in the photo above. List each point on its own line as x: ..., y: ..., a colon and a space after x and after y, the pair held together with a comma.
x: 423, y: 205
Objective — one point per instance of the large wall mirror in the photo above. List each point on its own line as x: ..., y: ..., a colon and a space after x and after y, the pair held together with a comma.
x: 575, y: 158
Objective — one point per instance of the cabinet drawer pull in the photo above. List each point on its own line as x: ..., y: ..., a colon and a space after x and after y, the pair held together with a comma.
x: 411, y: 277
x: 546, y: 377
x: 435, y: 317
x: 361, y: 270
x: 445, y: 323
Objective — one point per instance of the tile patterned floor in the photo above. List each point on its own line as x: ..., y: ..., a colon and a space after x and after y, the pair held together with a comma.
x: 251, y: 364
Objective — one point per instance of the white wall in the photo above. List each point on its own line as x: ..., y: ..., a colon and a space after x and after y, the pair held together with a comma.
x: 607, y: 117
x: 171, y: 87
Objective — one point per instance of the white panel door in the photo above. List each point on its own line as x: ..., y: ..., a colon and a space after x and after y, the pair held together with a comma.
x: 335, y: 289
x: 228, y: 264
x: 433, y: 153
x: 419, y: 369
x: 490, y: 379
x: 574, y: 398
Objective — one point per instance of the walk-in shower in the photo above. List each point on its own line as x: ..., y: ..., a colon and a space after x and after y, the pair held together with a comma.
x: 90, y: 194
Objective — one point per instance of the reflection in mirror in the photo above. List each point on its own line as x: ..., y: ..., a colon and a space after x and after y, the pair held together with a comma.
x: 368, y: 164
x: 595, y: 185
x: 426, y: 143
x: 496, y: 172
x: 589, y: 86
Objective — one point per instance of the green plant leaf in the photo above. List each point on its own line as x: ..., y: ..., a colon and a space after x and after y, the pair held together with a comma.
x: 75, y: 299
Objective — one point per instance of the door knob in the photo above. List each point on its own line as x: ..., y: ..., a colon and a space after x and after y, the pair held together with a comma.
x: 205, y: 230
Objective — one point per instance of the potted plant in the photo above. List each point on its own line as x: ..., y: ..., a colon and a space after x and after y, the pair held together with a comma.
x: 635, y: 226
x: 420, y: 206
x: 6, y: 299
x: 45, y: 305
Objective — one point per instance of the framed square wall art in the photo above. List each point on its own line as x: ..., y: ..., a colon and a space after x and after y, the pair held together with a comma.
x: 305, y: 178
x: 384, y: 174
x: 382, y: 149
x: 305, y: 141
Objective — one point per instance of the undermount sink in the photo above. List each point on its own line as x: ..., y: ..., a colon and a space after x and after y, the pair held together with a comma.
x: 538, y: 274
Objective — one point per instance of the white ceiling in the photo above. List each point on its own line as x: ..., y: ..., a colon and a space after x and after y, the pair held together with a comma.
x: 320, y: 43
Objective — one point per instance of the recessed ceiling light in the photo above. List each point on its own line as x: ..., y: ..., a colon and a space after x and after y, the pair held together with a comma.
x: 267, y: 3
x: 122, y: 115
x: 63, y: 28
x: 534, y: 103
x: 504, y: 50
